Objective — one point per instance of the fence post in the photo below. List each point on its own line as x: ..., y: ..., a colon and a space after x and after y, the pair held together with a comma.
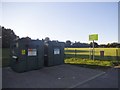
x: 89, y: 53
x: 75, y: 54
x: 117, y: 56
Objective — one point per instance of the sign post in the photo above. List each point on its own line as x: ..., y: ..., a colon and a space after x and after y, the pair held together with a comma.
x: 93, y: 37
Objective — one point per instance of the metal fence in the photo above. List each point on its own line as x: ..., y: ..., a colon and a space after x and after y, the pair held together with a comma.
x: 112, y: 54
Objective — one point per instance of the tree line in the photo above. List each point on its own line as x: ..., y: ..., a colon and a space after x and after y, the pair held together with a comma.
x: 8, y: 36
x: 87, y: 45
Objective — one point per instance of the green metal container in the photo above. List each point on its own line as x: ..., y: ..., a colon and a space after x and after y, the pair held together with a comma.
x: 54, y: 53
x: 27, y: 55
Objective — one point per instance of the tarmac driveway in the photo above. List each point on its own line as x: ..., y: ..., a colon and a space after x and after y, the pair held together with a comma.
x: 61, y: 76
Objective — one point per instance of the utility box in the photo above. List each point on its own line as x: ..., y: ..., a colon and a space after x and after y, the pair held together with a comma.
x: 27, y: 55
x: 53, y: 53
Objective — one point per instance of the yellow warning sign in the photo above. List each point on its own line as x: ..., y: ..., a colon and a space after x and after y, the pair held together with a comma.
x: 23, y: 52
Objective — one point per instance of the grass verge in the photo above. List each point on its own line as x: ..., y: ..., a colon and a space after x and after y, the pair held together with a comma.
x: 89, y: 62
x: 93, y: 64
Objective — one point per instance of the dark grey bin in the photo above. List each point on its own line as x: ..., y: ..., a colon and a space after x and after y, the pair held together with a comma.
x: 27, y: 55
x: 54, y: 53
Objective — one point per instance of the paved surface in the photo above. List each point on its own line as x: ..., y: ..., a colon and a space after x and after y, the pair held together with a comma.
x: 61, y: 76
x: 107, y: 80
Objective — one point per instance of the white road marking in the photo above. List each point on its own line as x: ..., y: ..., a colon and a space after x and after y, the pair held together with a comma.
x: 87, y: 80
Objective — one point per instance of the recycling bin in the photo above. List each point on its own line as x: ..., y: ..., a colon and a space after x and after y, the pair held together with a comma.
x: 102, y: 53
x: 26, y: 55
x: 53, y: 53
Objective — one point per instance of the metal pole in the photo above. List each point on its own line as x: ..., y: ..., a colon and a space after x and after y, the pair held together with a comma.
x: 93, y: 49
x: 117, y: 56
x: 89, y: 53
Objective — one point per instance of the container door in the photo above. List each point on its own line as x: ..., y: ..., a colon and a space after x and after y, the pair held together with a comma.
x: 57, y: 55
x: 50, y: 61
x: 45, y: 55
x: 19, y: 57
x: 40, y: 55
x: 32, y: 58
x: 21, y: 63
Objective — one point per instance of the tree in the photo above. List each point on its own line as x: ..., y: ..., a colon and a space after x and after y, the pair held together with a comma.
x: 103, y: 45
x: 68, y: 42
x: 114, y: 45
x: 108, y: 45
x: 26, y: 38
x: 95, y: 44
x: 47, y: 39
x: 8, y: 36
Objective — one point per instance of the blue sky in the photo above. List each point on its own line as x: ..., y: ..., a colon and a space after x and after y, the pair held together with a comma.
x: 62, y: 20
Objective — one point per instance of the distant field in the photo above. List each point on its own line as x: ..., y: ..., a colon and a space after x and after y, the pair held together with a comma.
x: 83, y: 56
x: 109, y: 53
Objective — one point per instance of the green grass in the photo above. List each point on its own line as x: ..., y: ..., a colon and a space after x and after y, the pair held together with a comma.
x: 88, y: 62
x: 5, y: 57
x: 84, y: 56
